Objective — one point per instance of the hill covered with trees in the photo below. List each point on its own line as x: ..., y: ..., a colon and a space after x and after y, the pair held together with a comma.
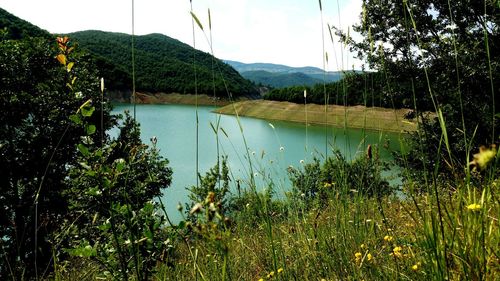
x: 280, y: 80
x: 163, y: 64
x: 12, y: 27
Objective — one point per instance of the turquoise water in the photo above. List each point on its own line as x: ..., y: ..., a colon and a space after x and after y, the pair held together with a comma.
x: 273, y: 145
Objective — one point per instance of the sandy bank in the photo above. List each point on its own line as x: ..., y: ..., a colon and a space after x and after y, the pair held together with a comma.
x: 370, y: 118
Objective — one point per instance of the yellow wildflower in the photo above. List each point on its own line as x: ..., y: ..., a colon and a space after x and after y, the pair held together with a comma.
x: 388, y: 238
x: 280, y: 270
x: 369, y: 257
x: 397, y: 252
x: 362, y: 246
x: 484, y: 157
x: 261, y: 279
x: 358, y: 257
x: 416, y: 266
x: 474, y: 207
x: 271, y: 274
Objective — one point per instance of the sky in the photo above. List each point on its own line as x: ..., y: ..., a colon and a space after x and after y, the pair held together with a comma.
x: 272, y: 31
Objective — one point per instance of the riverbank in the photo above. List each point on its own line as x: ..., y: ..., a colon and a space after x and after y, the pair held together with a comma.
x: 175, y: 98
x: 370, y: 118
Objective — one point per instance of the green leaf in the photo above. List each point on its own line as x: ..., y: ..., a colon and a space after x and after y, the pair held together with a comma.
x: 76, y: 119
x: 85, y: 165
x: 83, y: 251
x: 70, y: 66
x: 90, y: 129
x: 87, y: 111
x: 181, y: 225
x: 120, y: 164
x: 83, y: 149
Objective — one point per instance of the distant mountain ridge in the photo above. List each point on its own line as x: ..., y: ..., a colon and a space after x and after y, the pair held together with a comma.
x: 280, y: 79
x: 279, y: 76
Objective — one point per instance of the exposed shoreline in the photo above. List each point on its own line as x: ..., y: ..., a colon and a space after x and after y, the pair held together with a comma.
x: 173, y: 98
x: 357, y: 117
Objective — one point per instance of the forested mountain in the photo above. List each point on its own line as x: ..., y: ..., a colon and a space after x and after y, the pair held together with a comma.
x: 280, y: 80
x: 279, y: 76
x: 164, y: 64
x: 12, y: 27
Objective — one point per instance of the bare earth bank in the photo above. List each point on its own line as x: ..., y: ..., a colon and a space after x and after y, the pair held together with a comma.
x: 370, y: 118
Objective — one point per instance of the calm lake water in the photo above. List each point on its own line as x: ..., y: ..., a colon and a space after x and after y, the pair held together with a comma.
x: 272, y: 148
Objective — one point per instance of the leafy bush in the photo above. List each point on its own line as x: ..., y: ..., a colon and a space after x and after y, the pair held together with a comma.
x: 37, y: 143
x: 317, y: 182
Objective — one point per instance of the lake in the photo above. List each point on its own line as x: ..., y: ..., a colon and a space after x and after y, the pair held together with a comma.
x: 273, y: 145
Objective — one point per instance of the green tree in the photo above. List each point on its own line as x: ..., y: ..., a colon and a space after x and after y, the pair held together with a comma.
x: 37, y: 142
x: 62, y: 174
x: 446, y: 55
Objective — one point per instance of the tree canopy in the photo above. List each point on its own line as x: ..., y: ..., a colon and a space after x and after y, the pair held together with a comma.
x: 445, y: 56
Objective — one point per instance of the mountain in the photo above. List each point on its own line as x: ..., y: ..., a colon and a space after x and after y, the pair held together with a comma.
x: 14, y: 28
x: 277, y: 73
x: 164, y: 64
x: 280, y: 79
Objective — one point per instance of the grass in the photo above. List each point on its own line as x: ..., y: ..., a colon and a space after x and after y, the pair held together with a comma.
x: 360, y: 117
x: 350, y: 238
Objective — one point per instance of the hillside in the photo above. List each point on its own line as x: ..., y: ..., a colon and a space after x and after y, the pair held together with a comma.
x: 12, y: 27
x: 279, y: 79
x: 283, y: 75
x: 164, y: 64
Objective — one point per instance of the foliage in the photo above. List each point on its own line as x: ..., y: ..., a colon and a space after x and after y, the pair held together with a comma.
x: 355, y: 88
x: 444, y: 56
x: 109, y: 193
x: 113, y: 218
x: 317, y: 182
x: 37, y: 143
x: 216, y: 182
x: 163, y: 64
x: 358, y: 237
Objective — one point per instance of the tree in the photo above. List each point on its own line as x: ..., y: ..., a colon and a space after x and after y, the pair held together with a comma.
x: 37, y: 142
x: 445, y: 54
x: 60, y: 170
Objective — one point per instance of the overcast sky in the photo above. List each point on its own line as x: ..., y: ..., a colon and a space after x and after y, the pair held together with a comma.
x: 272, y: 31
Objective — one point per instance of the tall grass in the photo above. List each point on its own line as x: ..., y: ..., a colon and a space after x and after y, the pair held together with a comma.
x: 325, y: 226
